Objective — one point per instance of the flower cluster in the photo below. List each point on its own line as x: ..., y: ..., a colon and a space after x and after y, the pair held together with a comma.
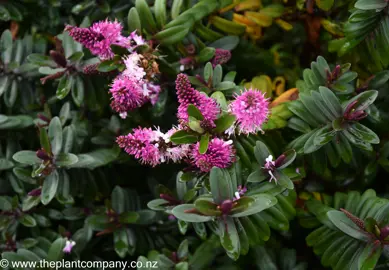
x: 134, y: 86
x: 251, y: 110
x: 152, y: 146
x: 101, y: 36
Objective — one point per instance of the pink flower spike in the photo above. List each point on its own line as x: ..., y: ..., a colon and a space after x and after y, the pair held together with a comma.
x: 152, y: 146
x: 219, y: 154
x: 69, y: 246
x: 188, y: 95
x: 99, y: 37
x: 251, y: 109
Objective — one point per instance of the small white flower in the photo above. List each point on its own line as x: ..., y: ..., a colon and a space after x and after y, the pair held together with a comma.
x: 68, y: 246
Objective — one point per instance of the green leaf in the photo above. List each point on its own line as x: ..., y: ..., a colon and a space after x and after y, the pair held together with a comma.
x: 369, y: 257
x: 224, y: 122
x: 128, y: 217
x: 49, y: 188
x: 208, y: 72
x: 183, y: 137
x: 26, y: 157
x: 260, y: 203
x: 290, y: 156
x: 194, y: 112
x: 195, y: 125
x: 365, y: 99
x: 371, y: 4
x: 118, y: 197
x: 65, y: 159
x: 230, y: 76
x: 331, y: 101
x: 179, y: 212
x: 145, y: 15
x: 120, y: 242
x: 5, y: 40
x: 30, y: 202
x: 257, y: 176
x: 55, y: 252
x: 363, y: 133
x: 68, y: 139
x: 223, y: 86
x: 133, y: 20
x: 207, y: 207
x: 227, y: 43
x: 78, y: 91
x: 221, y: 185
x: 217, y: 75
x: 107, y: 66
x: 55, y: 135
x: 160, y: 12
x: 283, y: 180
x: 27, y: 220
x: 5, y: 204
x: 325, y: 4
x: 261, y: 152
x: 343, y: 223
x: 175, y: 9
x: 64, y: 86
x: 44, y: 140
x: 206, y: 54
x: 229, y: 237
x: 12, y: 256
x: 182, y: 251
x: 204, y: 141
x: 96, y: 158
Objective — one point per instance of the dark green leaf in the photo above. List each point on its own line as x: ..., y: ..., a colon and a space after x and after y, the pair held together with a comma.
x: 55, y: 135
x: 49, y: 188
x: 343, y: 223
x: 183, y: 137
x: 26, y: 157
x: 27, y: 220
x: 204, y: 141
x: 229, y: 237
x: 55, y: 252
x: 179, y: 212
x: 193, y: 111
x: 221, y: 186
x: 207, y: 207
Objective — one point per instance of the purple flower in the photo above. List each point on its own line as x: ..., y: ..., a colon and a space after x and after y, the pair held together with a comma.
x: 270, y: 166
x: 188, y: 95
x: 69, y: 246
x: 99, y: 37
x: 127, y: 95
x: 221, y: 57
x: 219, y: 154
x: 241, y: 191
x: 251, y: 109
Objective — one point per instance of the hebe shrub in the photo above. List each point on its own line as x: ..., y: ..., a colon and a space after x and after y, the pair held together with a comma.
x: 204, y: 134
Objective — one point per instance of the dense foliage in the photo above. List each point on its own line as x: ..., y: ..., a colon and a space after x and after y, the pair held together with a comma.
x: 196, y: 134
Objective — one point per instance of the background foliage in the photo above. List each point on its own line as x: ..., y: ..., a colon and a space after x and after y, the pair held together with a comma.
x: 322, y: 63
